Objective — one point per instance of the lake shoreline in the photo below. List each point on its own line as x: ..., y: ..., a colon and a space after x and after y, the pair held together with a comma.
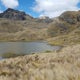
x: 9, y: 49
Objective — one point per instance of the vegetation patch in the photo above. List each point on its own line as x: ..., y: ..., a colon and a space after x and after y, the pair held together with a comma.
x: 10, y: 55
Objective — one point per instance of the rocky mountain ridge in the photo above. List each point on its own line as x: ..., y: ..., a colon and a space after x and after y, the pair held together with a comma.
x: 71, y: 17
x: 14, y: 14
x: 20, y: 15
x: 20, y: 26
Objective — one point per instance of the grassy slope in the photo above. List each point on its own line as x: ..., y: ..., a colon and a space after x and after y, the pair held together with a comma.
x: 63, y: 65
x: 27, y: 30
x: 65, y: 30
x: 68, y: 39
x: 58, y: 65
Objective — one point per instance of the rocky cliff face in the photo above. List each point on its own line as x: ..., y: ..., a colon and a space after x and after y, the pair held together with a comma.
x: 14, y: 14
x: 71, y: 17
x: 19, y: 15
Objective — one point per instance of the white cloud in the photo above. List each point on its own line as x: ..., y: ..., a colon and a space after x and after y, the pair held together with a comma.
x: 53, y: 8
x: 10, y: 3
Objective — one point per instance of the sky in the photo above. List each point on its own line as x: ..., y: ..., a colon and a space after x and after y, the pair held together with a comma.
x: 37, y: 8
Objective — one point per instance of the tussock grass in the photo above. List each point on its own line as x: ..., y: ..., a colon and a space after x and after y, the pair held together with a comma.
x: 68, y: 39
x: 11, y: 55
x: 27, y: 30
x: 63, y: 65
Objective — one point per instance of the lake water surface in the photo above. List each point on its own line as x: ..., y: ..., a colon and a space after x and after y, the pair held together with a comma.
x: 26, y: 47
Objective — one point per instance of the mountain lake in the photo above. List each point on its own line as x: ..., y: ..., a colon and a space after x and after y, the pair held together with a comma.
x: 26, y: 47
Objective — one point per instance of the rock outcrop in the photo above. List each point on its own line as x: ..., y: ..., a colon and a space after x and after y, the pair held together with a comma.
x: 14, y: 14
x: 71, y: 17
x: 65, y: 23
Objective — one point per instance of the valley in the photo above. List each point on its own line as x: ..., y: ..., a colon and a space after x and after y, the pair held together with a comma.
x: 64, y: 29
x: 21, y: 32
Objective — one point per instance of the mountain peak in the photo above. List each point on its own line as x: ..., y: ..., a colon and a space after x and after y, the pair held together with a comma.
x: 14, y: 14
x: 10, y: 9
x: 15, y: 11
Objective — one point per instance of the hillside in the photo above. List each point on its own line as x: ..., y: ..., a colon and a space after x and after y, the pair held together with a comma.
x: 65, y: 29
x: 11, y: 30
x: 17, y: 26
x: 65, y: 23
x: 14, y: 15
x: 67, y: 39
x: 62, y: 65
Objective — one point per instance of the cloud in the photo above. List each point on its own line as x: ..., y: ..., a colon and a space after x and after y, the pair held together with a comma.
x: 53, y: 8
x: 10, y: 3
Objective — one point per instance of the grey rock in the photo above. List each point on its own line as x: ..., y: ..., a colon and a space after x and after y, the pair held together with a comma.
x: 14, y: 14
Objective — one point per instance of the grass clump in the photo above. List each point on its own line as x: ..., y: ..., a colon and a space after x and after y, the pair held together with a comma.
x: 48, y: 51
x: 10, y: 55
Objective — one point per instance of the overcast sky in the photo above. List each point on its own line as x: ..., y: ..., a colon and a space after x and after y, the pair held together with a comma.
x: 36, y: 8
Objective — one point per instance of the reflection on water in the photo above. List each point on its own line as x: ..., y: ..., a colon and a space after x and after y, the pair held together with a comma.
x: 26, y: 47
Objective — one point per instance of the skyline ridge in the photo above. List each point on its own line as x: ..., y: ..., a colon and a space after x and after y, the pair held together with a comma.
x: 37, y: 8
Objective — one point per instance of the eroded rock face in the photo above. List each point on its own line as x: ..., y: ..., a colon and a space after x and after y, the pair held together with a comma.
x: 71, y: 17
x: 13, y: 14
